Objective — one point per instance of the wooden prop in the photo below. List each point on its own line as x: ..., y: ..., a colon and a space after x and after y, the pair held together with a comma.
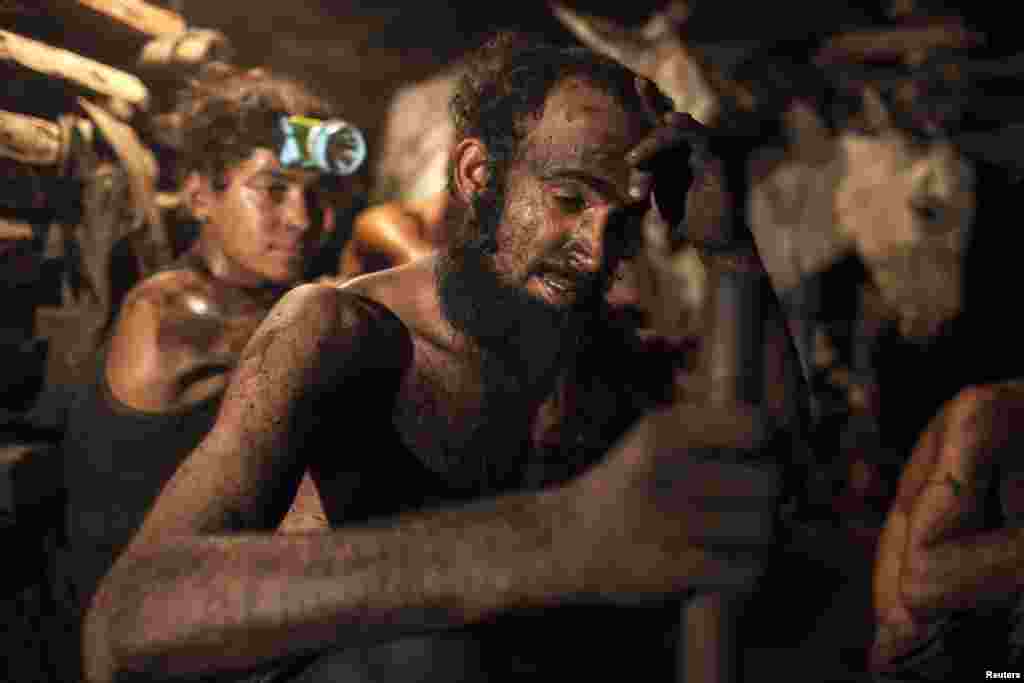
x: 14, y: 230
x: 138, y: 160
x: 41, y: 142
x: 658, y: 51
x: 152, y: 246
x: 86, y: 72
x: 747, y: 358
x: 139, y: 16
x: 122, y: 109
x: 909, y: 44
x: 30, y: 139
x: 183, y: 53
x: 77, y: 132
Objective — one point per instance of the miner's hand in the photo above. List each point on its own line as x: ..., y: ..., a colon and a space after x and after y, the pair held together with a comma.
x: 665, y: 511
x: 670, y: 171
x: 666, y: 162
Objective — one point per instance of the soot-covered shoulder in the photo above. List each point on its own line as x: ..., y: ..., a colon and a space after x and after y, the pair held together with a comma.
x: 339, y: 331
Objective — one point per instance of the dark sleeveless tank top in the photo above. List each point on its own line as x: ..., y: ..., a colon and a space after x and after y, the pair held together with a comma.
x: 116, y: 460
x: 571, y: 642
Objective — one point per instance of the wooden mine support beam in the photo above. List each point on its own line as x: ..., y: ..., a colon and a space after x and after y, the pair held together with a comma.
x: 90, y: 74
x: 12, y: 230
x: 182, y: 53
x: 142, y: 17
x: 29, y: 139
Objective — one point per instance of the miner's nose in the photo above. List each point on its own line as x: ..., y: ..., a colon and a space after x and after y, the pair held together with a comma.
x: 295, y: 209
x: 588, y: 245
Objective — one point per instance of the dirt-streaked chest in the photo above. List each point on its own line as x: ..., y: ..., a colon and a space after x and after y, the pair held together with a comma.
x: 445, y: 417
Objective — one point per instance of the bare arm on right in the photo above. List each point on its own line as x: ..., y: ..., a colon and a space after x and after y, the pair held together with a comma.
x: 937, y: 552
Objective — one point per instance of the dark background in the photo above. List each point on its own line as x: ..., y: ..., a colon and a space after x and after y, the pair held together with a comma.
x: 357, y: 52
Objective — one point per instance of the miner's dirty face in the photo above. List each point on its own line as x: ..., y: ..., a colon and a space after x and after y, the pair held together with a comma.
x: 908, y: 208
x: 905, y: 206
x: 266, y: 221
x: 564, y: 195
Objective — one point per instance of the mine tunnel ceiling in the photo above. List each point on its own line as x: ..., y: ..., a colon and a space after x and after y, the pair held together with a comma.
x: 359, y: 52
x: 405, y: 39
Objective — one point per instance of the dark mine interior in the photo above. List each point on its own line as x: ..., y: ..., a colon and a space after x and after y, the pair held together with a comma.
x: 686, y: 323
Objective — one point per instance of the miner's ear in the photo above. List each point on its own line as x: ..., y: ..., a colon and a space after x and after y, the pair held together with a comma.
x: 469, y: 164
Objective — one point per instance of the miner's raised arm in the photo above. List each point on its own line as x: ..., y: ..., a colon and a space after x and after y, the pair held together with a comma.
x: 186, y: 597
x: 482, y: 463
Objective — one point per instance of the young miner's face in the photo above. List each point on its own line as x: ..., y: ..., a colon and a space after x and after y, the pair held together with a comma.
x: 266, y: 223
x: 568, y: 187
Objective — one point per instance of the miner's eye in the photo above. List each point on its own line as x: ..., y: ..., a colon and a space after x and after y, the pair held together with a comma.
x: 277, y: 191
x: 570, y: 203
x: 931, y: 212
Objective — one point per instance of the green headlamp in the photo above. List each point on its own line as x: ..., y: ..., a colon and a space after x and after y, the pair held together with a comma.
x: 329, y: 146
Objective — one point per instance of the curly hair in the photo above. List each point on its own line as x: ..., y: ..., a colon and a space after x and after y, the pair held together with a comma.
x: 227, y: 112
x: 507, y: 81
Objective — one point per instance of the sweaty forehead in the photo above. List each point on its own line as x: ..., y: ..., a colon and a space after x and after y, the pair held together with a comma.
x: 264, y: 164
x: 259, y: 160
x: 581, y: 124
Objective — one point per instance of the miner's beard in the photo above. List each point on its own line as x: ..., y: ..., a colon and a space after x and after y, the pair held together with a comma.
x: 525, y: 342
